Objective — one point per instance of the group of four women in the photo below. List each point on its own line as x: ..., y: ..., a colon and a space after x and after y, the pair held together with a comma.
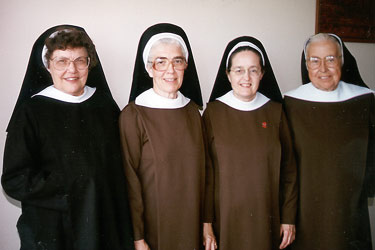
x: 227, y: 180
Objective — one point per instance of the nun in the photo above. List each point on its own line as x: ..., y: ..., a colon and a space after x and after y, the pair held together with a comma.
x: 163, y: 145
x: 253, y: 172
x: 332, y: 120
x: 62, y: 156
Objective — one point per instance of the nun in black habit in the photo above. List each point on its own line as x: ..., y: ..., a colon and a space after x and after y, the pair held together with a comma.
x: 333, y: 133
x: 163, y: 147
x: 253, y: 172
x: 62, y: 156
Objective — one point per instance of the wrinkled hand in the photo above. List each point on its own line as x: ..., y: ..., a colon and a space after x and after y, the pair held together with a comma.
x: 288, y: 233
x: 209, y: 240
x: 141, y: 245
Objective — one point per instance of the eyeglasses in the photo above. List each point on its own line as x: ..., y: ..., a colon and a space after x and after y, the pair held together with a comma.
x: 162, y: 63
x: 62, y: 63
x: 240, y: 71
x: 315, y: 62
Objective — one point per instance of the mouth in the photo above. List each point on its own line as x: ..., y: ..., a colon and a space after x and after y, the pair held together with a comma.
x: 170, y: 80
x: 245, y: 85
x: 324, y: 77
x: 71, y: 79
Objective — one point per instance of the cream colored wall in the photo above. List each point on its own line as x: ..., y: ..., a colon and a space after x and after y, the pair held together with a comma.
x: 116, y: 26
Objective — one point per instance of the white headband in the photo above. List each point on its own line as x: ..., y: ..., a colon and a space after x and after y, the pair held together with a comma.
x: 44, y: 50
x: 330, y: 34
x: 245, y: 44
x: 157, y: 37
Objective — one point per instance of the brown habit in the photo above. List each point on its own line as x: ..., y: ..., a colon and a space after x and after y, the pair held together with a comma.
x: 254, y: 169
x: 164, y: 165
x: 332, y: 142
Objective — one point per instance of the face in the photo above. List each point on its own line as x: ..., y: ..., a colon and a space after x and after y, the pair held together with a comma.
x: 245, y: 85
x: 324, y: 77
x: 166, y: 83
x: 70, y: 80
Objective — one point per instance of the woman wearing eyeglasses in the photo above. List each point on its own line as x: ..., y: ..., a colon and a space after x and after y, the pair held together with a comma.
x: 253, y: 176
x: 332, y: 120
x: 62, y: 156
x: 163, y: 145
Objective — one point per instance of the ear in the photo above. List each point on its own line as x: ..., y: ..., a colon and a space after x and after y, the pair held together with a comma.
x: 149, y: 71
x: 228, y: 76
x: 261, y: 76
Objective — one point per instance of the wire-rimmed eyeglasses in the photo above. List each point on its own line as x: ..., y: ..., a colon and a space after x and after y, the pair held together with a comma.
x: 240, y: 71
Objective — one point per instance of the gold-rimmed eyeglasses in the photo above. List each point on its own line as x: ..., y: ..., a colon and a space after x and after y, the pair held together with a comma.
x: 162, y: 63
x: 314, y: 62
x: 62, y: 63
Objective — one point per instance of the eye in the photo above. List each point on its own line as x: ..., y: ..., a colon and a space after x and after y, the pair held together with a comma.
x: 178, y: 61
x: 239, y: 71
x: 81, y: 60
x: 314, y: 59
x: 330, y: 59
x: 61, y: 61
x: 160, y: 62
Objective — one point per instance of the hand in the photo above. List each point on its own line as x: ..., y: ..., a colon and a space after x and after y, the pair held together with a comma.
x: 209, y: 240
x: 141, y: 245
x: 288, y: 233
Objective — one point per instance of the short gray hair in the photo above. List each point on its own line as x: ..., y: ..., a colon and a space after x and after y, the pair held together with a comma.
x: 167, y: 41
x: 325, y: 37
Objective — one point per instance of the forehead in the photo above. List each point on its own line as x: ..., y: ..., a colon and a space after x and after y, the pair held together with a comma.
x: 168, y: 50
x: 322, y: 48
x: 246, y: 57
x: 70, y: 52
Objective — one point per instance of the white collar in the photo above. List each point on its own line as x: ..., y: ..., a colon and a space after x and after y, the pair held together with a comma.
x: 232, y: 101
x: 343, y: 92
x: 151, y: 99
x: 54, y: 93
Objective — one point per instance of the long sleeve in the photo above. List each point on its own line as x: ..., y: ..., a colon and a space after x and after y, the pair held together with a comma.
x: 288, y: 175
x: 209, y: 176
x: 23, y: 176
x: 131, y: 134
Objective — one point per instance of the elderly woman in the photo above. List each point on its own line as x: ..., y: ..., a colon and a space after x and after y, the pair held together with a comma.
x: 62, y: 155
x: 163, y: 145
x: 332, y: 120
x: 250, y: 151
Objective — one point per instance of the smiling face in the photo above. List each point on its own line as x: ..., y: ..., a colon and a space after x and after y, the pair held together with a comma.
x: 70, y: 80
x: 245, y: 84
x: 325, y: 77
x: 166, y: 83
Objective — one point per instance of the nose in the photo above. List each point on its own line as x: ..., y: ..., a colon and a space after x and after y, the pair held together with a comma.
x: 247, y: 75
x: 323, y: 66
x: 71, y: 67
x: 170, y: 68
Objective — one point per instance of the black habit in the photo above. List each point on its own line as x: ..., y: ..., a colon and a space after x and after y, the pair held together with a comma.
x: 62, y: 160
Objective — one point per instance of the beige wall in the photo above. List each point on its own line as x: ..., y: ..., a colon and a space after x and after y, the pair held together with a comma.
x: 116, y: 26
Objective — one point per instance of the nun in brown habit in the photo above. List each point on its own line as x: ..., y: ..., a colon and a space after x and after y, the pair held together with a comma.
x: 163, y: 147
x: 332, y: 119
x: 62, y: 156
x: 253, y: 172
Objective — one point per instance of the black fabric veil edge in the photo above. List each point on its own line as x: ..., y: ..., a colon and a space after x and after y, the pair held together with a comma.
x: 268, y: 85
x: 142, y: 81
x: 38, y: 78
x: 349, y: 71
